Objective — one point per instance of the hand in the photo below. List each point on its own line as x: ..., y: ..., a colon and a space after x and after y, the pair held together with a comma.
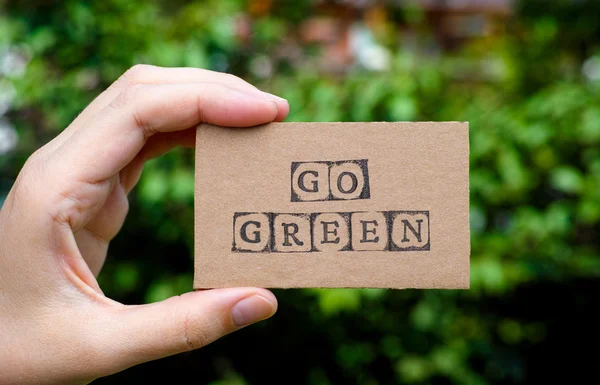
x: 70, y: 200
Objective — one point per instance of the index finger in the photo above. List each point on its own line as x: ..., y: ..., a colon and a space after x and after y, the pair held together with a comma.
x: 114, y: 137
x: 149, y: 74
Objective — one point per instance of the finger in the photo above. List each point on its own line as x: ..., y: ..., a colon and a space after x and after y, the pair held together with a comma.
x: 148, y: 74
x: 93, y: 239
x: 142, y: 333
x: 105, y: 146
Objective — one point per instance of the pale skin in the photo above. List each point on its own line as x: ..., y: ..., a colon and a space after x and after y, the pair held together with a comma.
x: 70, y: 200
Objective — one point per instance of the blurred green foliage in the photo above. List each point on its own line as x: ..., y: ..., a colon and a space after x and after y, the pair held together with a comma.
x: 532, y: 96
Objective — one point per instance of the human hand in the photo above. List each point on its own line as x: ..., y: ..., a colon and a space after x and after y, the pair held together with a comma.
x: 70, y: 200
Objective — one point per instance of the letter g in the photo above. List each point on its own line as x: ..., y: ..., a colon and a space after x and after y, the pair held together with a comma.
x: 244, y: 232
x: 302, y: 185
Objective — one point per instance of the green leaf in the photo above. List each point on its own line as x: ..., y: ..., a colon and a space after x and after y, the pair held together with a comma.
x: 182, y: 185
x: 153, y: 186
x: 333, y: 301
x: 510, y: 331
x: 588, y: 211
x: 403, y: 108
x: 589, y: 129
x: 414, y: 369
x: 167, y: 287
x: 567, y: 179
x: 126, y: 277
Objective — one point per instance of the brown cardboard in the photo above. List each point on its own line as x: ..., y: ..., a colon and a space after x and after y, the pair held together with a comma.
x: 333, y: 205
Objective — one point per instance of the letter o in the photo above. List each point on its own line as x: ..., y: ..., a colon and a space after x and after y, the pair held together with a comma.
x: 354, y: 182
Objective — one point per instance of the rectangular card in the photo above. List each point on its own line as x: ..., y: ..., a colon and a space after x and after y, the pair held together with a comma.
x: 333, y: 205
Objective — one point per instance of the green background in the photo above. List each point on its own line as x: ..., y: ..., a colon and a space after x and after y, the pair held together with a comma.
x: 531, y: 92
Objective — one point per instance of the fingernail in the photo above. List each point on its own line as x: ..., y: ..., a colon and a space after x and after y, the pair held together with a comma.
x: 274, y: 96
x: 251, y: 310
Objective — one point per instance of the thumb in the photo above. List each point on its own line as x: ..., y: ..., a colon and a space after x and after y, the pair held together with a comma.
x: 183, y: 323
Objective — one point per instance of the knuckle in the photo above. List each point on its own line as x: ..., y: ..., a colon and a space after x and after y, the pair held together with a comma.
x: 198, y: 331
x: 127, y: 99
x: 71, y: 204
x: 23, y: 184
x: 126, y: 96
x: 232, y: 78
x: 67, y: 208
x: 32, y: 162
x: 189, y: 342
x: 27, y: 191
x: 135, y: 74
x: 33, y: 167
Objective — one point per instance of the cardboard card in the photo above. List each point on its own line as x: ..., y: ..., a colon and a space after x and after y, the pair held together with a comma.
x: 332, y: 205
